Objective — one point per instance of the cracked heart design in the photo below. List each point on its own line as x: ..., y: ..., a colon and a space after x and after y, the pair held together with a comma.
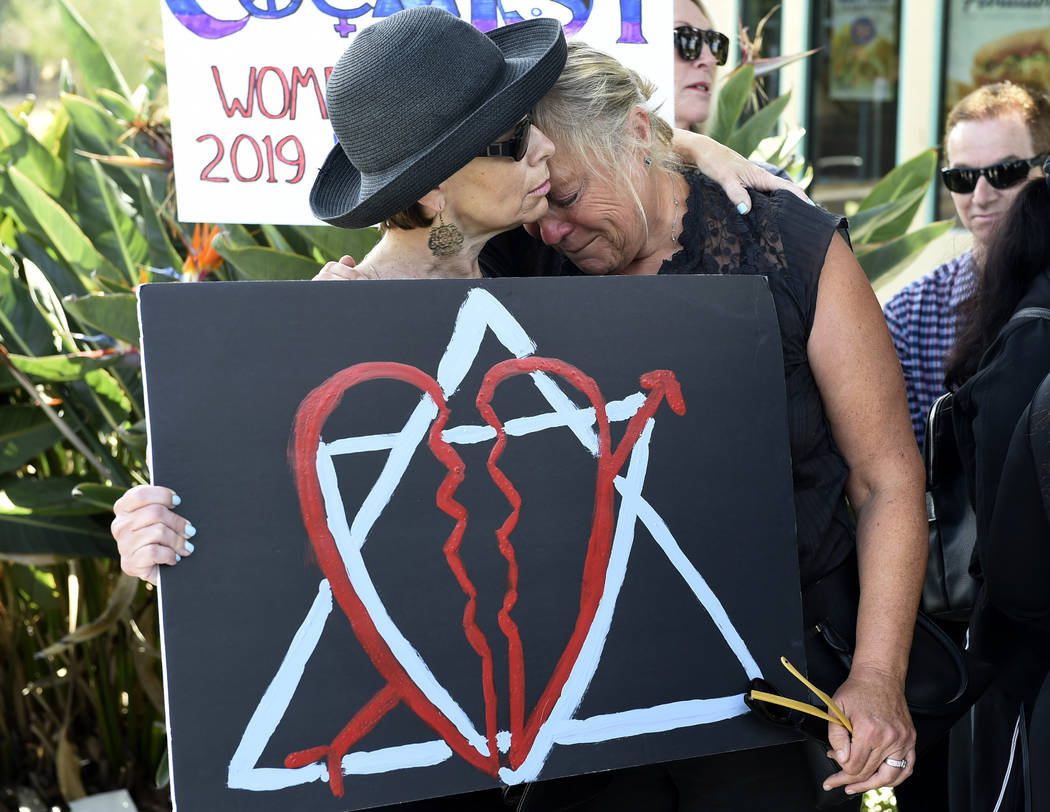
x: 407, y: 677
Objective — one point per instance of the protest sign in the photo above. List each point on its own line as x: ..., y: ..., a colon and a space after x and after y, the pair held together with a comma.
x: 461, y: 534
x: 246, y: 81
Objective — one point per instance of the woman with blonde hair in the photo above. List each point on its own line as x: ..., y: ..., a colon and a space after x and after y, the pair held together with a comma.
x: 699, y: 51
x: 857, y: 474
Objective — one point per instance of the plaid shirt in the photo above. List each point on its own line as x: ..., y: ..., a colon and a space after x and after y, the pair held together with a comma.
x: 922, y: 321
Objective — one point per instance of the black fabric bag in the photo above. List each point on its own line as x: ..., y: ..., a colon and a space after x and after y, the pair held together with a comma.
x: 941, y: 684
x: 949, y: 589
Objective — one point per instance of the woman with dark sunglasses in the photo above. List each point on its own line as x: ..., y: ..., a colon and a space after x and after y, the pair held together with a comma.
x: 1000, y: 360
x: 994, y: 139
x: 699, y: 51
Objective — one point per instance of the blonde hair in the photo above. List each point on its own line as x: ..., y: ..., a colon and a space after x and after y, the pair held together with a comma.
x: 1001, y: 99
x: 587, y: 115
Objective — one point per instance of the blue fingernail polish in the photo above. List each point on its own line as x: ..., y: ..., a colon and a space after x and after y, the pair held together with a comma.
x: 743, y: 208
x: 189, y: 547
x: 176, y: 500
x: 190, y: 530
x: 178, y: 558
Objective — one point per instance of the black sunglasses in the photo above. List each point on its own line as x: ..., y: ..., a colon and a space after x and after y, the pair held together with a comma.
x: 514, y: 147
x: 689, y: 42
x: 1002, y: 175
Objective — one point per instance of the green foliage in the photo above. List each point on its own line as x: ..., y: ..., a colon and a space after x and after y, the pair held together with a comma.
x: 85, y: 218
x: 879, y: 227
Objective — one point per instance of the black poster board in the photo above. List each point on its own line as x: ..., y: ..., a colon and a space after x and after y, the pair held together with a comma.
x: 456, y: 534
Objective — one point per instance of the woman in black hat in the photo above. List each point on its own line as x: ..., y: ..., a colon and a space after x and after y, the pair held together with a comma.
x: 435, y: 140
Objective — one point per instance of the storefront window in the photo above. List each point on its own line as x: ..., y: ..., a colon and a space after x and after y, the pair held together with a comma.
x: 852, y: 136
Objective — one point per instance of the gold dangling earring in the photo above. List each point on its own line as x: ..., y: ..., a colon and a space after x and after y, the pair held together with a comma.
x: 445, y: 240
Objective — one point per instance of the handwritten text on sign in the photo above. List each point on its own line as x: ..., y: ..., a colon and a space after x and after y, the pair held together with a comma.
x: 247, y: 77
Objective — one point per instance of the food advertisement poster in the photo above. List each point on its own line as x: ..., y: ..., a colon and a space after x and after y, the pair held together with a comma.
x: 246, y: 80
x: 864, y: 50
x: 995, y: 40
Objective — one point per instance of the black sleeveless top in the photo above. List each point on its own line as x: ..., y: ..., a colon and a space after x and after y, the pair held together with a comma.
x: 784, y: 239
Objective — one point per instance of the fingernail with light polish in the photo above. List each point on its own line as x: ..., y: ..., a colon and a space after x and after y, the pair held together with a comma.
x: 189, y: 547
x: 190, y: 530
x: 178, y: 558
x: 176, y: 500
x: 743, y: 208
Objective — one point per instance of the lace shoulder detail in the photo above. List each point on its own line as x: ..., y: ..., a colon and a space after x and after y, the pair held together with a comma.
x: 717, y: 239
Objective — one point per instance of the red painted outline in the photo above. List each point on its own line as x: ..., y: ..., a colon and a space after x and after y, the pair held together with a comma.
x: 310, y: 418
x: 662, y: 384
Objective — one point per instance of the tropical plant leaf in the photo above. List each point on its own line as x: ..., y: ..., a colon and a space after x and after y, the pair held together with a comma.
x: 25, y: 432
x: 96, y: 65
x: 22, y: 328
x: 732, y: 98
x: 750, y: 134
x: 115, y: 314
x: 117, y: 235
x: 56, y: 135
x: 276, y: 239
x: 112, y: 393
x: 63, y: 279
x: 894, y: 255
x: 100, y: 496
x: 119, y: 601
x: 59, y: 368
x: 915, y: 173
x: 40, y: 534
x: 95, y: 128
x: 48, y: 304
x: 72, y: 244
x: 117, y: 104
x: 41, y: 517
x: 261, y: 263
x: 866, y: 223
x: 19, y: 148
x: 236, y: 235
x: 332, y: 243
x: 771, y: 64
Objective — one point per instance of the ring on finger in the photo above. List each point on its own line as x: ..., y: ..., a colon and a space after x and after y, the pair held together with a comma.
x: 899, y: 763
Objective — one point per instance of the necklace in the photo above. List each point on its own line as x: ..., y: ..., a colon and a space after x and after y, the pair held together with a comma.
x: 674, y: 223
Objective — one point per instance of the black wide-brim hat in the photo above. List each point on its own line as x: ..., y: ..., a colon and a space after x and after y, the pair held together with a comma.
x: 416, y: 97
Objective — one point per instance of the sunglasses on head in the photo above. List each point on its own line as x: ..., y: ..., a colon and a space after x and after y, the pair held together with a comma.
x: 689, y: 42
x: 514, y: 147
x: 1002, y: 175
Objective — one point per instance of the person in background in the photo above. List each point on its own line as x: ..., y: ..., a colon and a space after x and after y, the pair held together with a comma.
x: 995, y: 138
x: 1000, y: 360
x: 699, y: 51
